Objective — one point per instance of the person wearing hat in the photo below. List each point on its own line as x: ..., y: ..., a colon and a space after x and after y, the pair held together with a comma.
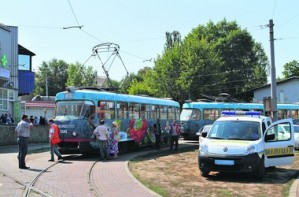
x: 114, y: 140
x: 23, y: 133
x: 101, y: 132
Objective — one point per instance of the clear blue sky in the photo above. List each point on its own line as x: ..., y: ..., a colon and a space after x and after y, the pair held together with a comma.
x: 139, y: 26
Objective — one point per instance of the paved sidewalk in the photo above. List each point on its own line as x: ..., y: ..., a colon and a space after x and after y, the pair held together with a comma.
x: 106, y: 174
x: 114, y: 172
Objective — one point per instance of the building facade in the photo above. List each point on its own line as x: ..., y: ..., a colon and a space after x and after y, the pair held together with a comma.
x: 15, y: 69
x: 287, y: 91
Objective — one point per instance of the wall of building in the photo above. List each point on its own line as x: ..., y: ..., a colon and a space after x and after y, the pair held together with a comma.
x: 287, y: 92
x: 39, y: 134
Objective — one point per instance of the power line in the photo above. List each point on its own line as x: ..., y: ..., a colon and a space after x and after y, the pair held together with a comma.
x: 274, y: 9
x: 73, y: 12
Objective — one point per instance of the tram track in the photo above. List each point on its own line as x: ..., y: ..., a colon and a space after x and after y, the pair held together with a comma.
x: 29, y: 188
x: 92, y: 182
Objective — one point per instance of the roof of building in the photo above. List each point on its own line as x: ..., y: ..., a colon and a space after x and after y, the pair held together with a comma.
x: 24, y: 51
x: 279, y: 82
x: 40, y: 104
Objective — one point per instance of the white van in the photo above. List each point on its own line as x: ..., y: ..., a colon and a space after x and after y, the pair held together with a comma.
x: 246, y: 142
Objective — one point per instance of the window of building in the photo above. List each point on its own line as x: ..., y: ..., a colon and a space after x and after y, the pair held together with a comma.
x: 24, y: 62
x: 3, y: 99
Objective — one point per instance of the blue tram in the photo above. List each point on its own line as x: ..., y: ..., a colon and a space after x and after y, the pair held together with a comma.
x: 195, y: 115
x: 78, y: 110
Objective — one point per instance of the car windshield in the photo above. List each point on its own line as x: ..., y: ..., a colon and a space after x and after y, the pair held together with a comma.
x: 206, y: 128
x: 235, y: 130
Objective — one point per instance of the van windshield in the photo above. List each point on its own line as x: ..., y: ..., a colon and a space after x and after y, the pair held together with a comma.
x: 235, y: 130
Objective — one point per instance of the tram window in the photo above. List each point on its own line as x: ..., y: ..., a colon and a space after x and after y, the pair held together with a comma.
x: 282, y: 114
x: 163, y: 112
x: 154, y: 112
x: 122, y: 110
x: 106, y: 110
x: 88, y: 109
x: 210, y: 114
x: 295, y: 114
x: 134, y: 110
x: 177, y: 113
x: 195, y: 115
x: 143, y: 112
x: 171, y: 113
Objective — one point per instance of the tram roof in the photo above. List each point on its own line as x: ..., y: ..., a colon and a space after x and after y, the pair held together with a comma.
x: 93, y: 95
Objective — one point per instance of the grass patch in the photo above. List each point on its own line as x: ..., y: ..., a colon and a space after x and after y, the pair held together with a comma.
x: 151, y: 185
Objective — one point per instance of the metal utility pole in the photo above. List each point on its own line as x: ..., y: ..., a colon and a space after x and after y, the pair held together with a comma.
x: 273, y: 73
x: 47, y: 95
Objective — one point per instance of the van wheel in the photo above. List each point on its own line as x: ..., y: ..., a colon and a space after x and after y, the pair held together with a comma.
x: 260, y: 172
x: 205, y: 173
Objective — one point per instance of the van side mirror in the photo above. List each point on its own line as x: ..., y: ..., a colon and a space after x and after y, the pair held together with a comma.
x: 204, y: 134
x: 270, y: 137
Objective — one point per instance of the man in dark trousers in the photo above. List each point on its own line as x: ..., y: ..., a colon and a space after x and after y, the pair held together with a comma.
x: 23, y: 133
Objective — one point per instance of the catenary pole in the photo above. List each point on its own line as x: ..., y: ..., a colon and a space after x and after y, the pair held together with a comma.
x: 273, y: 73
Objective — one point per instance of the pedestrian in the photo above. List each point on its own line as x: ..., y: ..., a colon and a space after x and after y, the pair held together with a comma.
x: 114, y: 140
x: 54, y: 140
x: 101, y: 132
x: 157, y: 131
x: 174, y: 135
x: 23, y: 133
x: 8, y: 119
x: 3, y: 119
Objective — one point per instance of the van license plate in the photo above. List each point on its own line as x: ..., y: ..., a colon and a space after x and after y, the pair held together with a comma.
x: 225, y: 162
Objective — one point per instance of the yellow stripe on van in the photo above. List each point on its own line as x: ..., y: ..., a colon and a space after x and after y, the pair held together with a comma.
x: 279, y: 151
x: 229, y: 142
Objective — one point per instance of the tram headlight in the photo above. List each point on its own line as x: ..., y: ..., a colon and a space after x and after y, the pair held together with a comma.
x: 75, y: 133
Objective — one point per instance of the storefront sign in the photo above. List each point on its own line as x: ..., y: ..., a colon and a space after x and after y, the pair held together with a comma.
x: 3, y: 60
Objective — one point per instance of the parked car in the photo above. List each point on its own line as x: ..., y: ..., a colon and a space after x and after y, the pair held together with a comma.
x: 296, y: 129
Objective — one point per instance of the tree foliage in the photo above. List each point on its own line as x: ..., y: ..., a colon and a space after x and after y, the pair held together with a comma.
x: 57, y: 74
x: 80, y: 75
x: 54, y: 74
x: 291, y: 69
x: 212, y: 59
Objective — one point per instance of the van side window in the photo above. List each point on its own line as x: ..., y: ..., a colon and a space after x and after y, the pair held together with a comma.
x: 263, y: 127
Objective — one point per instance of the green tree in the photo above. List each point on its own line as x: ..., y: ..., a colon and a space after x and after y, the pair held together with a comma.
x: 212, y: 59
x: 140, y: 84
x: 80, y: 75
x: 291, y: 69
x: 52, y: 74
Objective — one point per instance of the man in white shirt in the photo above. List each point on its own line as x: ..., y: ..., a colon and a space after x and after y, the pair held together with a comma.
x: 23, y: 133
x: 101, y: 132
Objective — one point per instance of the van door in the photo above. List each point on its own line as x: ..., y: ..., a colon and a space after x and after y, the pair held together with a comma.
x: 279, y: 143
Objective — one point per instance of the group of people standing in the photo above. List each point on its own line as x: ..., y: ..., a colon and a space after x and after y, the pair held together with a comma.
x: 23, y: 130
x: 174, y: 134
x: 6, y: 119
x: 108, y: 141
